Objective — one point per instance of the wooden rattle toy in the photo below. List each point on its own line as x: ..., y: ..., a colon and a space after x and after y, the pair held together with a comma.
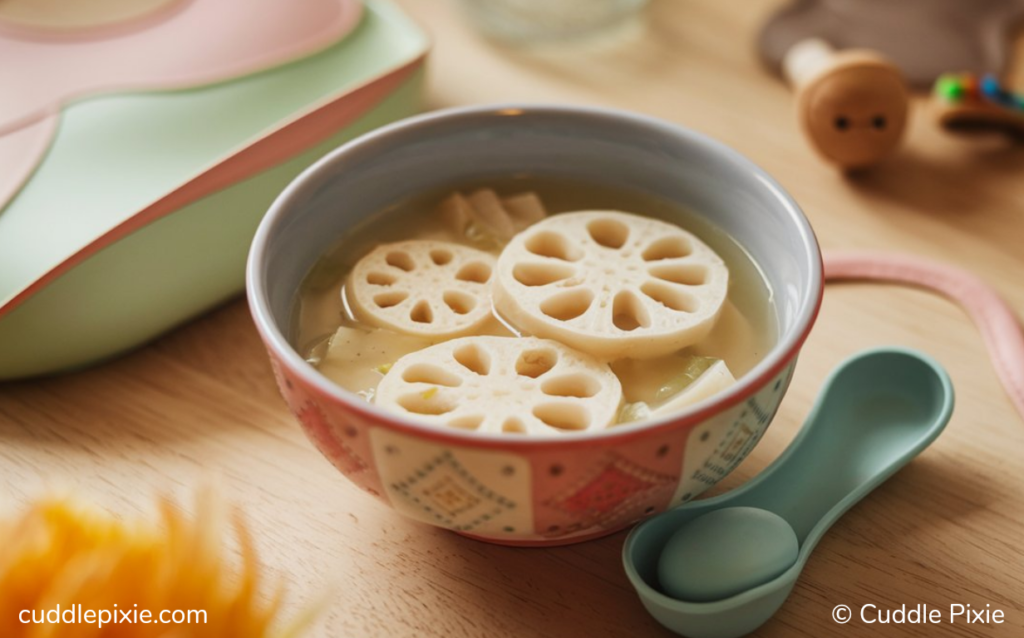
x: 852, y: 104
x: 965, y: 103
x: 923, y: 38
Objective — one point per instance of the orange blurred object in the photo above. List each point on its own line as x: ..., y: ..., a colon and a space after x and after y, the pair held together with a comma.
x: 67, y: 553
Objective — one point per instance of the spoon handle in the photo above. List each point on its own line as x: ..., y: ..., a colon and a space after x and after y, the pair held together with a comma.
x: 876, y: 412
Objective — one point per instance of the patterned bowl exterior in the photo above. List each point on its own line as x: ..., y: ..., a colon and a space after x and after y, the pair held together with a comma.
x: 550, y: 493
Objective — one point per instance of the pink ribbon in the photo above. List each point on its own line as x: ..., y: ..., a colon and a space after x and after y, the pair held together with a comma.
x: 999, y: 326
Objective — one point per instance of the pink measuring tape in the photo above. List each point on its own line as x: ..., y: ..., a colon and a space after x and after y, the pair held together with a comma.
x: 999, y: 326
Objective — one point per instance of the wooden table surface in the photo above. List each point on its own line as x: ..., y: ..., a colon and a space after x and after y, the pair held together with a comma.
x: 200, y: 404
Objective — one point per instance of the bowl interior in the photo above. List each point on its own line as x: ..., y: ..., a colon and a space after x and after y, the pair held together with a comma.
x: 629, y: 151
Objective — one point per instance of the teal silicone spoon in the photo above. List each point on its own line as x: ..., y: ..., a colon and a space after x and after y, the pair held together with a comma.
x: 876, y: 412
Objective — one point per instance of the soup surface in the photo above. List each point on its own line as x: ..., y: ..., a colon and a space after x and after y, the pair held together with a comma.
x: 332, y: 331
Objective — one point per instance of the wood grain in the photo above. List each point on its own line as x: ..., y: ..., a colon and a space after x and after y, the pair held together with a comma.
x: 200, y: 404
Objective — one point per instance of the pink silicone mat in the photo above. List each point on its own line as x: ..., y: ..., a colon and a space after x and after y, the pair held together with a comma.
x: 998, y: 324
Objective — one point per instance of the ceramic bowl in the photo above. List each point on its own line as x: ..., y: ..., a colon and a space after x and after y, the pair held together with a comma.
x: 527, y: 491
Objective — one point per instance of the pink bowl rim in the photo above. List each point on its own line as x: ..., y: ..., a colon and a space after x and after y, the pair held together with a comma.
x: 777, y: 359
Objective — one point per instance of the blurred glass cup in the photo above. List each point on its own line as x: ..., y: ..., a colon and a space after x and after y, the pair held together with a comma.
x: 546, y: 20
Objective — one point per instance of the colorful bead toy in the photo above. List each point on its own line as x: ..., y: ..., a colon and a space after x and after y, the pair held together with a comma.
x: 966, y: 103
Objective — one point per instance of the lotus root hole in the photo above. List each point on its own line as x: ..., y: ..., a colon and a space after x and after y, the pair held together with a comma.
x: 475, y: 271
x: 421, y: 312
x: 429, y: 373
x: 563, y: 416
x: 473, y: 358
x: 379, y: 279
x: 686, y: 274
x: 667, y: 248
x: 566, y: 306
x: 628, y: 312
x: 581, y: 386
x: 513, y: 425
x: 461, y: 303
x: 441, y: 256
x: 430, y: 404
x: 534, y: 363
x: 390, y: 299
x: 609, y: 233
x: 401, y: 260
x: 534, y: 274
x: 551, y: 244
x: 467, y: 422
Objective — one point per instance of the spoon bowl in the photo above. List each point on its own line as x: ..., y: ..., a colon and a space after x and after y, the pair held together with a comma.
x: 877, y: 411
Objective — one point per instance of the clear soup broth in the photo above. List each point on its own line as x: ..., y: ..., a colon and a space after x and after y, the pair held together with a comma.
x: 744, y: 332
